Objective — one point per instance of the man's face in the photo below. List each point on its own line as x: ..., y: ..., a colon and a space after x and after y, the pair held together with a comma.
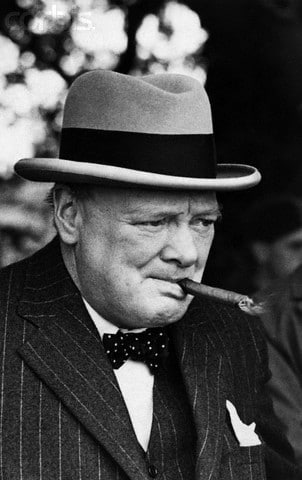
x: 286, y: 254
x: 132, y: 248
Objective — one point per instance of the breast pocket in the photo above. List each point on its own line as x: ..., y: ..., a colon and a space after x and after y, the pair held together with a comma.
x: 250, y: 461
x: 242, y: 463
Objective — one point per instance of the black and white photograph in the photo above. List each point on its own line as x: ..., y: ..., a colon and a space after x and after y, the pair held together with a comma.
x: 150, y: 240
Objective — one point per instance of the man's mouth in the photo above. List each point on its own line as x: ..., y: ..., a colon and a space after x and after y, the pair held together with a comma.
x: 173, y: 287
x: 170, y: 279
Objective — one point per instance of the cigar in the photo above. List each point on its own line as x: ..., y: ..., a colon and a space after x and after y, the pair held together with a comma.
x: 245, y: 303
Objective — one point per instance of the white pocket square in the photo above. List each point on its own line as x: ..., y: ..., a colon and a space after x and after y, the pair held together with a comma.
x: 245, y: 434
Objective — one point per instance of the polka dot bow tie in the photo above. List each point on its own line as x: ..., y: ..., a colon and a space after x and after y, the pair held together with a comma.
x: 149, y: 346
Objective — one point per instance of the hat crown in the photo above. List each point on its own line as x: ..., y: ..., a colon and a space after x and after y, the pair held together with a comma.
x: 159, y: 104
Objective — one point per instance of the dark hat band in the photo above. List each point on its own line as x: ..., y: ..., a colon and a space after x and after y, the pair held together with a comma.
x: 191, y: 155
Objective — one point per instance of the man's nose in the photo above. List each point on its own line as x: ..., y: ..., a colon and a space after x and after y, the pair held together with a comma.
x: 180, y: 247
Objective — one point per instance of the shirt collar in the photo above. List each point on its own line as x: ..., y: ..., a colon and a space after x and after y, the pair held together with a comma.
x: 103, y: 325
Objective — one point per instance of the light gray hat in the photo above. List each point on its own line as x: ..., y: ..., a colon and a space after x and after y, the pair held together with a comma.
x: 153, y: 131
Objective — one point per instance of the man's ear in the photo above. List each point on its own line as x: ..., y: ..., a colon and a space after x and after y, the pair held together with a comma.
x: 67, y: 215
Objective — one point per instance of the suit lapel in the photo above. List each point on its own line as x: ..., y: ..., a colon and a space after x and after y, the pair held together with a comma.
x: 67, y: 354
x: 203, y: 365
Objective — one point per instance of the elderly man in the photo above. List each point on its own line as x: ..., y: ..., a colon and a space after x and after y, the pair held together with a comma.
x: 109, y: 370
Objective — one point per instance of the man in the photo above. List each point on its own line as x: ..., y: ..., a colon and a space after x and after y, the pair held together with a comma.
x: 88, y: 390
x: 274, y: 237
x: 282, y: 321
x: 273, y: 231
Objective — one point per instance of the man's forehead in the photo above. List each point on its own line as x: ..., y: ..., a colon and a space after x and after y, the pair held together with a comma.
x: 139, y: 199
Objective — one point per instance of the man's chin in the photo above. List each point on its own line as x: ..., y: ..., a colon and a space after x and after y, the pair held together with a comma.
x: 169, y: 314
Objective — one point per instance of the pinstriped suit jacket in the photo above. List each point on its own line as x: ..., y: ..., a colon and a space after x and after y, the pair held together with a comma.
x: 61, y: 411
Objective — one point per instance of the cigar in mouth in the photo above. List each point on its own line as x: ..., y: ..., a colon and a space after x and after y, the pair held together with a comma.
x: 244, y: 302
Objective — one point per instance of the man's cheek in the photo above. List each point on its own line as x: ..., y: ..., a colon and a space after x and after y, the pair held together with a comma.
x: 138, y: 257
x: 202, y: 257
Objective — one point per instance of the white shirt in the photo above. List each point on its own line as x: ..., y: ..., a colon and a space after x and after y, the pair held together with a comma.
x: 136, y: 383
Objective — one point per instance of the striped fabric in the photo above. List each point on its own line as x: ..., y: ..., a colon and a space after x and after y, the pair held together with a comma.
x: 173, y: 436
x: 62, y: 415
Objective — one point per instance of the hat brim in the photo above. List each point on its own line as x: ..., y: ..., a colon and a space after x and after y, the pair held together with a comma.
x: 229, y: 176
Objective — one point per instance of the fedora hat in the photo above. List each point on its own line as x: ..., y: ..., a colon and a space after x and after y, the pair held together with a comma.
x: 153, y: 131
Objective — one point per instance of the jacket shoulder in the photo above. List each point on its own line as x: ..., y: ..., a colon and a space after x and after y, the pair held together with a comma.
x: 12, y: 280
x: 222, y: 314
x: 38, y: 262
x: 13, y: 277
x: 230, y: 323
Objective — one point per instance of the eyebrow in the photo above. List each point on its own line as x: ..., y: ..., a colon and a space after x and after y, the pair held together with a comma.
x: 213, y: 212
x: 217, y: 211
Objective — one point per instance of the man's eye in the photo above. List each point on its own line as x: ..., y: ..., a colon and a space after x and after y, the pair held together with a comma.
x: 207, y: 222
x: 204, y: 222
x: 154, y: 223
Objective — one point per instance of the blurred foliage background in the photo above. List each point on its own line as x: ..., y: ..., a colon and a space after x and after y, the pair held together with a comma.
x: 248, y: 53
